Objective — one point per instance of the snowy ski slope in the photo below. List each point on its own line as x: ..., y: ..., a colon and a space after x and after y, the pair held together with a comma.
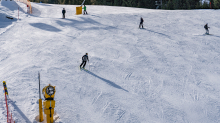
x: 168, y: 72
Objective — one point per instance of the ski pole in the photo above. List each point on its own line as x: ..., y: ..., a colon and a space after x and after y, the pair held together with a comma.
x: 89, y: 66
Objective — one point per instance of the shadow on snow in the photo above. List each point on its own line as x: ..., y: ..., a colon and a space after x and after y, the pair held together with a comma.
x: 159, y: 33
x: 20, y: 112
x: 5, y: 22
x: 107, y: 81
x: 78, y: 24
x: 11, y: 5
x: 35, y: 12
x: 45, y: 27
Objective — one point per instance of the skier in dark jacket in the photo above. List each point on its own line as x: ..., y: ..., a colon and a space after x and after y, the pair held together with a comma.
x: 141, y: 23
x: 85, y: 58
x: 63, y: 11
x: 207, y: 28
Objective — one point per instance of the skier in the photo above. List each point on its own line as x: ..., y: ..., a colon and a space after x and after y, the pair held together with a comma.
x: 85, y: 58
x: 206, y: 28
x: 63, y: 11
x: 141, y: 23
x: 84, y: 10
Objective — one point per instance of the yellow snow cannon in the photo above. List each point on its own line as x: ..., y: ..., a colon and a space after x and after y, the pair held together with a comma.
x: 49, y: 103
x: 79, y: 9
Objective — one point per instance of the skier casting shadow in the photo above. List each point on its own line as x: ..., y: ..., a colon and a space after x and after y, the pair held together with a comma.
x: 84, y: 12
x: 85, y: 58
x: 141, y: 23
x: 63, y: 11
x: 207, y: 29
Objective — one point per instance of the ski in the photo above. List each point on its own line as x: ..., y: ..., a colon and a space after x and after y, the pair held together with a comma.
x: 84, y: 69
x: 207, y: 34
x: 81, y: 68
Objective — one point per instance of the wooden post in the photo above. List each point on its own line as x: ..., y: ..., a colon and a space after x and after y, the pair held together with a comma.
x: 40, y: 102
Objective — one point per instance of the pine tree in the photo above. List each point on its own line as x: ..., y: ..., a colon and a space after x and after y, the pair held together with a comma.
x: 149, y: 4
x: 188, y: 4
x: 116, y: 3
x: 205, y: 5
x: 198, y: 6
x: 170, y: 5
x: 176, y: 4
x: 217, y: 4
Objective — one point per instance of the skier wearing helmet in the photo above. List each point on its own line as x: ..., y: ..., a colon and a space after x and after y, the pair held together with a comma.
x: 206, y: 28
x: 85, y: 58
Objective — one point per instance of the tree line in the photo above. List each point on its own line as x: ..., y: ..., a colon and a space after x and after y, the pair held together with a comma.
x: 166, y: 4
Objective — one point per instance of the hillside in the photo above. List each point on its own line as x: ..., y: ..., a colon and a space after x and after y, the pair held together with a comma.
x: 168, y: 72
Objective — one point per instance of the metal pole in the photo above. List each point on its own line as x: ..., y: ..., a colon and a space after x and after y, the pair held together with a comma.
x: 82, y: 2
x: 6, y: 106
x: 89, y: 65
x: 39, y: 85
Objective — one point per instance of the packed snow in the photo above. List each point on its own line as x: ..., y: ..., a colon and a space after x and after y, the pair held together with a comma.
x: 168, y: 72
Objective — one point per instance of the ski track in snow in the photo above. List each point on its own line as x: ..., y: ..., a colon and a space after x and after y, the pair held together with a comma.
x: 165, y: 73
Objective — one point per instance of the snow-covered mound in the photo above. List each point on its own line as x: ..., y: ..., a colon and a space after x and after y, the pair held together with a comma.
x: 9, y: 14
x: 168, y: 72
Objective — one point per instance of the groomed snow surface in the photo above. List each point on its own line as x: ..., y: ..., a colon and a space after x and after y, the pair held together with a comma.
x: 168, y: 72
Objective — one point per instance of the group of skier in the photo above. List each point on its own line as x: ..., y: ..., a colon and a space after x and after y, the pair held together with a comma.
x: 206, y: 26
x: 64, y: 11
x: 141, y: 20
x: 85, y: 58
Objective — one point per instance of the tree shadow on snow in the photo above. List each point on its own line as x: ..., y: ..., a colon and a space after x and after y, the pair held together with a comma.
x: 45, y: 27
x: 79, y: 24
x: 107, y: 81
x: 19, y: 111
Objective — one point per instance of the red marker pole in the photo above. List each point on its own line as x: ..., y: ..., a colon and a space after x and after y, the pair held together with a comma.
x: 6, y: 104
